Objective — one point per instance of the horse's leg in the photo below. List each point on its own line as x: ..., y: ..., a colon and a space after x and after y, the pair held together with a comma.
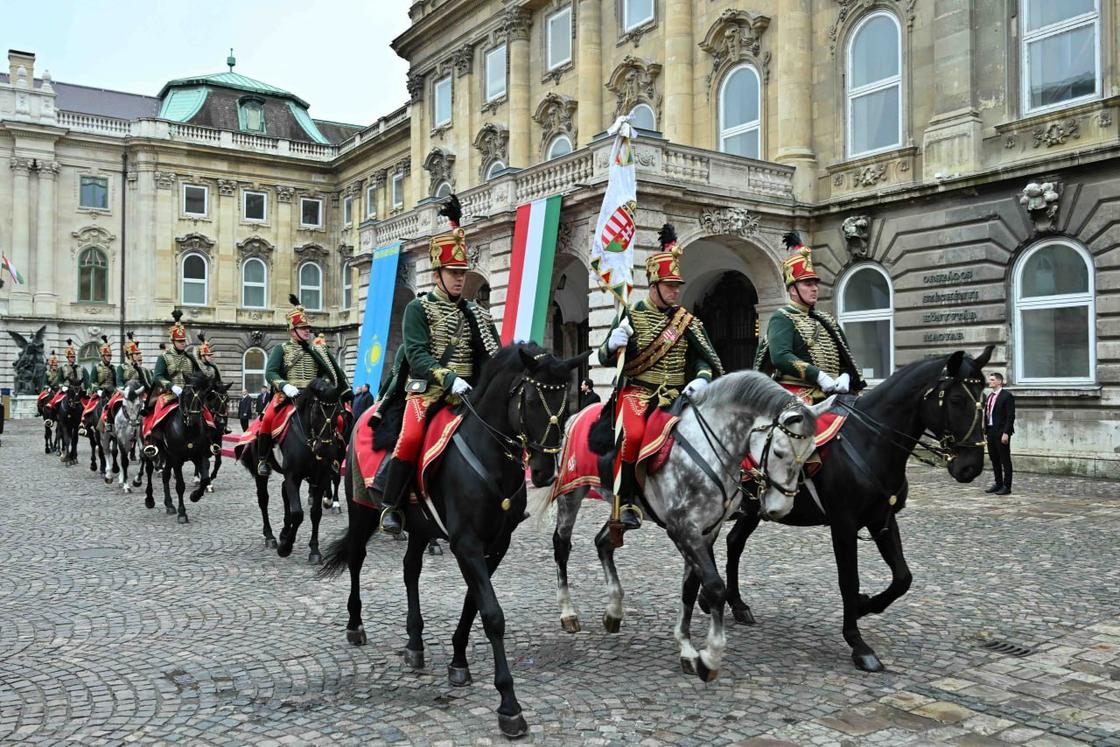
x: 413, y: 564
x: 217, y: 466
x: 123, y: 478
x: 363, y: 523
x: 146, y: 468
x: 890, y: 547
x: 180, y: 488
x: 736, y: 540
x: 690, y: 586
x: 262, y: 503
x: 469, y: 552
x: 201, y: 468
x: 612, y: 617
x: 93, y: 449
x: 165, y: 474
x: 46, y: 439
x: 458, y: 671
x: 316, y: 491
x: 704, y: 569
x: 293, y: 513
x: 847, y: 571
x: 567, y: 508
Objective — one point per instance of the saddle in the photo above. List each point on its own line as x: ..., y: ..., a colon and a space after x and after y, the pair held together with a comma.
x: 280, y: 428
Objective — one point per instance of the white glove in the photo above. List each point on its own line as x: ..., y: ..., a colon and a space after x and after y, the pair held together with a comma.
x: 460, y: 386
x: 843, y: 383
x: 65, y: 388
x: 176, y: 389
x: 620, y: 336
x: 826, y: 383
x: 695, y: 386
x: 290, y: 391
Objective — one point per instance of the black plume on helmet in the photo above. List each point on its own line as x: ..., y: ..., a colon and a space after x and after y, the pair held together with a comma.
x: 792, y: 240
x: 453, y: 210
x: 667, y: 235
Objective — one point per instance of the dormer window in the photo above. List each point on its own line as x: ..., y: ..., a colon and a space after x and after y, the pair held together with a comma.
x: 251, y: 114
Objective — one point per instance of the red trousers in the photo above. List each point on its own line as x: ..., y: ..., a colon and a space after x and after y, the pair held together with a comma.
x: 415, y: 423
x: 278, y: 403
x: 634, y: 401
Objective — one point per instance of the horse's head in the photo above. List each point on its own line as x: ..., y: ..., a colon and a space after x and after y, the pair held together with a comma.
x: 217, y: 400
x: 952, y: 410
x: 193, y: 398
x: 538, y: 407
x: 319, y: 407
x: 133, y: 405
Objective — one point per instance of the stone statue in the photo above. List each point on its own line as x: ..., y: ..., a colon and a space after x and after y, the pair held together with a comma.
x: 31, y: 365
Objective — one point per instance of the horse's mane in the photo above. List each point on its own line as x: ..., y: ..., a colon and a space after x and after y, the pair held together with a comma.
x: 503, y: 361
x: 888, y: 387
x: 751, y: 386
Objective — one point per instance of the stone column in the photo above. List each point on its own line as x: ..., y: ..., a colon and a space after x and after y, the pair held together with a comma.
x: 678, y: 71
x: 517, y: 23
x: 463, y: 97
x: 21, y: 234
x: 226, y: 278
x: 951, y: 143
x: 166, y: 274
x: 794, y: 133
x: 142, y: 256
x: 45, y: 298
x: 590, y: 77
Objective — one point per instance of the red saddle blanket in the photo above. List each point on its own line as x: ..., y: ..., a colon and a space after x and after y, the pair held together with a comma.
x: 162, y: 408
x: 43, y: 395
x: 89, y: 404
x: 282, y: 419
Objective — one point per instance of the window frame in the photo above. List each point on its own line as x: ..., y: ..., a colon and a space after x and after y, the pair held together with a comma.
x: 243, y: 106
x: 436, y: 121
x: 496, y: 165
x: 628, y: 25
x: 246, y: 370
x: 548, y: 156
x: 304, y: 288
x: 489, y: 95
x: 205, y: 200
x: 652, y: 114
x: 263, y: 284
x: 348, y: 210
x: 245, y: 205
x: 104, y: 268
x: 756, y: 125
x: 1026, y: 38
x: 883, y: 84
x: 396, y: 187
x: 551, y: 64
x: 371, y: 201
x: 874, y: 315
x: 347, y: 286
x: 183, y: 280
x: 1019, y: 304
x: 444, y: 185
x: 104, y: 180
x: 317, y: 200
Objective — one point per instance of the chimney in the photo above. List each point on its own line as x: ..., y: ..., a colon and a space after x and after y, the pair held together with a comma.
x: 17, y: 58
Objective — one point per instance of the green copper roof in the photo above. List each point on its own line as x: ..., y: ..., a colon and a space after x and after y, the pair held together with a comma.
x: 237, y: 82
x: 182, y: 103
x: 308, y: 126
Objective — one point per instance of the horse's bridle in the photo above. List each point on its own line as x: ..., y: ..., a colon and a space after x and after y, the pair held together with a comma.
x: 516, y: 448
x: 325, y: 434
x: 949, y: 444
x: 189, y: 414
x: 758, y: 473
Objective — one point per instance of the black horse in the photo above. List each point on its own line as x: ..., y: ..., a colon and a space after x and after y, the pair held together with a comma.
x: 52, y: 438
x: 88, y: 428
x: 182, y: 437
x: 310, y: 452
x: 70, y: 419
x: 476, y: 498
x: 862, y: 483
x: 217, y: 402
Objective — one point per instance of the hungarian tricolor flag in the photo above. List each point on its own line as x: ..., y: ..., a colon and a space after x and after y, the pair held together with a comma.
x: 612, y: 246
x: 530, y: 274
x: 7, y: 263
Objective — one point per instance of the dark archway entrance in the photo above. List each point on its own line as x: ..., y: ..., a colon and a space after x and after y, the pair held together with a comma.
x: 727, y: 310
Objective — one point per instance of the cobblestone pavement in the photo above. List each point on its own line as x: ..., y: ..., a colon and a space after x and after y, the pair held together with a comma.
x: 119, y: 625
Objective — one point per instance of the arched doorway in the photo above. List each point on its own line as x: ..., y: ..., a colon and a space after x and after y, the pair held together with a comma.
x: 727, y: 309
x: 567, y: 331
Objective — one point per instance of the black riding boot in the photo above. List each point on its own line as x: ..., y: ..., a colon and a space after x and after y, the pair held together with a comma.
x: 397, y: 482
x: 264, y: 451
x: 629, y: 514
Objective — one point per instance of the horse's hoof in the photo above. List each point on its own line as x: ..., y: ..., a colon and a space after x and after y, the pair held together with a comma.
x: 196, y: 494
x: 183, y: 519
x: 126, y: 488
x: 108, y: 481
x: 169, y: 509
x: 458, y: 676
x: 338, y: 508
x: 868, y: 662
x: 702, y: 671
x: 743, y: 615
x: 93, y: 468
x: 414, y: 659
x: 687, y: 665
x: 314, y: 558
x: 210, y: 488
x: 435, y: 549
x: 357, y: 637
x: 570, y: 624
x: 611, y: 623
x: 149, y: 502
x: 137, y: 482
x: 270, y: 542
x: 284, y: 549
x: 513, y: 727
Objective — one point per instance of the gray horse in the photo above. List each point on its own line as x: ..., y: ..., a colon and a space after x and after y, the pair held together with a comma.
x: 120, y: 442
x: 742, y: 413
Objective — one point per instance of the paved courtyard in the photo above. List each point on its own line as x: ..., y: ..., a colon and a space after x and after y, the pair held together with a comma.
x: 119, y: 625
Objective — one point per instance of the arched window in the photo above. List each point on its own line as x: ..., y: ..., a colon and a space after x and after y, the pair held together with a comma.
x: 494, y: 169
x: 194, y: 280
x: 875, y: 85
x: 93, y: 276
x: 443, y: 190
x: 88, y: 356
x: 642, y: 117
x: 311, y: 286
x: 252, y: 370
x: 254, y: 284
x: 561, y: 145
x: 740, y: 107
x: 1055, y: 315
x: 866, y: 309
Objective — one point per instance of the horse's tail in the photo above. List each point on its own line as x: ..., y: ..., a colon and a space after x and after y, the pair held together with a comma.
x: 537, y: 503
x: 338, y: 555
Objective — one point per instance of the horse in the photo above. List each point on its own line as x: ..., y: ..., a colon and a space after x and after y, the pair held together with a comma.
x: 862, y: 483
x: 52, y: 438
x: 69, y: 419
x: 121, y: 439
x: 694, y: 492
x: 474, y: 496
x: 90, y: 428
x: 217, y: 402
x: 310, y: 452
x: 184, y: 438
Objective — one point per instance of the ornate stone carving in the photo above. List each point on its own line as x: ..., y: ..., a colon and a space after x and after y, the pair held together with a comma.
x: 164, y: 179
x: 856, y: 229
x: 516, y: 24
x: 474, y: 255
x: 1104, y: 119
x: 255, y: 246
x: 634, y: 35
x: 256, y: 337
x: 564, y: 238
x: 463, y: 59
x: 403, y: 166
x: 379, y: 178
x: 195, y: 242
x: 853, y: 8
x: 92, y: 236
x: 870, y: 175
x: 734, y: 38
x: 226, y: 187
x: 353, y: 189
x: 284, y: 193
x: 21, y: 165
x: 415, y: 85
x: 492, y: 142
x: 633, y: 82
x: 346, y: 251
x: 310, y: 250
x: 1056, y: 133
x: 556, y: 115
x: 440, y: 165
x: 729, y: 222
x: 405, y: 273
x: 49, y: 169
x: 1041, y: 202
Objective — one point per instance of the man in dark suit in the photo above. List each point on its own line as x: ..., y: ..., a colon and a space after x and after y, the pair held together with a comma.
x: 245, y: 409
x: 263, y: 398
x: 587, y: 395
x: 362, y: 401
x: 999, y: 424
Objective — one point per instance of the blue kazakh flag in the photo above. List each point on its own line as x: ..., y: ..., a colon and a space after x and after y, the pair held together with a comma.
x: 374, y: 334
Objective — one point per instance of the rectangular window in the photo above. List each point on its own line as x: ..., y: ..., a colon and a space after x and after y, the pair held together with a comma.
x: 559, y: 38
x: 347, y: 287
x: 496, y: 73
x: 94, y: 193
x: 371, y: 202
x: 398, y: 191
x: 255, y: 206
x: 195, y: 199
x: 1060, y: 53
x: 441, y: 114
x: 310, y: 212
x: 635, y: 13
x: 347, y: 211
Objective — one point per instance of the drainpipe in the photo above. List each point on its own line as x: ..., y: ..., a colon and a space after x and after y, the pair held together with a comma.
x: 124, y: 237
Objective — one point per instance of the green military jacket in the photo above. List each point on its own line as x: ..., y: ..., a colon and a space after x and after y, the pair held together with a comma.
x: 691, y: 358
x: 210, y: 370
x: 51, y: 381
x: 104, y: 376
x: 800, y: 343
x: 445, y: 340
x: 299, y: 364
x: 174, y: 368
x: 127, y: 372
x: 63, y: 376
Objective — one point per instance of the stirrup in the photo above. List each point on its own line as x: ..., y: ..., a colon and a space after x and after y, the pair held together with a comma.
x: 631, y: 510
x: 49, y: 423
x: 215, y: 449
x: 400, y: 525
x: 150, y: 450
x: 264, y: 469
x: 82, y: 431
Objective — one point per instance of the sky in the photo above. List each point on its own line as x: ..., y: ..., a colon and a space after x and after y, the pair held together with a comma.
x: 334, y: 54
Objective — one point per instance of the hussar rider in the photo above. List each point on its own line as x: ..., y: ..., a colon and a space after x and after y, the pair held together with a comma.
x: 446, y: 341
x: 206, y: 360
x: 291, y: 367
x: 174, y: 366
x: 104, y: 383
x: 667, y: 354
x: 805, y: 349
x: 132, y: 367
x: 70, y: 369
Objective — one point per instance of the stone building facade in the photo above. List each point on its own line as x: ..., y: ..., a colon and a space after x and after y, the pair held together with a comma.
x: 951, y: 161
